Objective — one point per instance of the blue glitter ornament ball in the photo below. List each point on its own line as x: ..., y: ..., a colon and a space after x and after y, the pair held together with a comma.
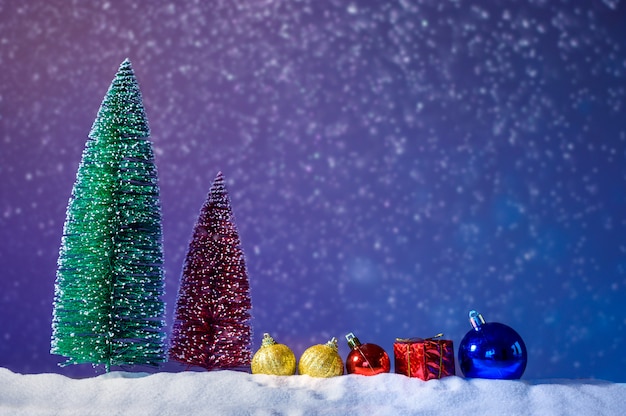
x: 492, y: 350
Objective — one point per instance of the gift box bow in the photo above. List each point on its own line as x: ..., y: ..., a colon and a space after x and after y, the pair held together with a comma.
x: 417, y: 339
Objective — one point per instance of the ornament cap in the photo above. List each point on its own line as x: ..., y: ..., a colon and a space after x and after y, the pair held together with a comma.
x: 267, y: 340
x: 353, y: 341
x: 476, y: 319
x: 332, y: 343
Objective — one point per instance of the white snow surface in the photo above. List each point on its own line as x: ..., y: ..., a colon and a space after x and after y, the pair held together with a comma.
x: 240, y: 393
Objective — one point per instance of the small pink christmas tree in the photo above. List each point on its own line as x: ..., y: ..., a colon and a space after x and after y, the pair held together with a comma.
x: 211, y: 327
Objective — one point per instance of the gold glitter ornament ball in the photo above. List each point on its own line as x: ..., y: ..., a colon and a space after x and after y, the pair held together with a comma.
x: 272, y: 358
x: 321, y: 360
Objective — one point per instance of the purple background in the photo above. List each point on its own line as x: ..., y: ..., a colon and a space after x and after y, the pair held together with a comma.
x: 391, y: 164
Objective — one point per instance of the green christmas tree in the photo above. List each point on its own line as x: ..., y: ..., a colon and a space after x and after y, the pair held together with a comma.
x: 108, y: 306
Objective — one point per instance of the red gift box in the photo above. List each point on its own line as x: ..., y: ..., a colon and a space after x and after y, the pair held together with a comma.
x: 424, y: 358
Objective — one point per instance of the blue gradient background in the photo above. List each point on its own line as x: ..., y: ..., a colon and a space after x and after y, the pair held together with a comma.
x: 391, y: 164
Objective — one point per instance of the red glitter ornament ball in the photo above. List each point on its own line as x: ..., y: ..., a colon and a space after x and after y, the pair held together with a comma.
x: 366, y: 359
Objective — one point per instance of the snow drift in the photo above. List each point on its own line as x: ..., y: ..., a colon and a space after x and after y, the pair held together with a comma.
x: 239, y: 393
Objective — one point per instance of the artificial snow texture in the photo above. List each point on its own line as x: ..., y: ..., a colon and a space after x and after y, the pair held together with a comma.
x: 239, y: 393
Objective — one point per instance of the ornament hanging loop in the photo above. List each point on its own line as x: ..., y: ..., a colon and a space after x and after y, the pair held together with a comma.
x: 353, y: 341
x: 476, y: 319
